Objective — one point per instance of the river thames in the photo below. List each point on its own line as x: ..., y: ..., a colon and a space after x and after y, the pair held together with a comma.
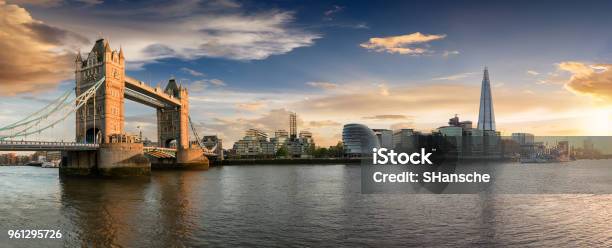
x: 309, y: 205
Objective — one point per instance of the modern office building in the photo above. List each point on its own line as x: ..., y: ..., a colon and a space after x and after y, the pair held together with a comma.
x: 306, y: 134
x: 267, y: 148
x: 385, y: 137
x: 251, y: 144
x: 358, y: 139
x: 257, y: 134
x: 405, y: 138
x: 458, y: 128
x: 280, y: 139
x: 523, y: 138
x: 486, y: 115
x: 256, y: 144
x: 292, y: 125
x: 281, y: 133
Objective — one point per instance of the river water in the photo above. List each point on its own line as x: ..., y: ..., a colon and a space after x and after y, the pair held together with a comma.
x: 309, y: 205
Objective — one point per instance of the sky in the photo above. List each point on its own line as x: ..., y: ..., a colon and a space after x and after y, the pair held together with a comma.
x: 386, y: 64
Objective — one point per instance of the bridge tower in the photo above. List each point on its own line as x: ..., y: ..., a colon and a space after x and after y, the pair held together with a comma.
x: 97, y: 124
x: 173, y: 121
x: 101, y: 119
x: 173, y: 125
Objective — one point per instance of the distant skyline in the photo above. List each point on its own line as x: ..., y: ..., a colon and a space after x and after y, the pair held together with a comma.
x: 387, y: 64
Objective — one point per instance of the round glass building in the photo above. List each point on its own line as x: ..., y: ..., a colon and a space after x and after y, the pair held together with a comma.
x: 358, y: 139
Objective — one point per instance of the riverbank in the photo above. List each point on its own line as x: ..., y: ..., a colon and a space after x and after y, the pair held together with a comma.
x: 293, y: 161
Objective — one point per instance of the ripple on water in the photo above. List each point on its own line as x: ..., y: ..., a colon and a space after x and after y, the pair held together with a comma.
x: 287, y: 206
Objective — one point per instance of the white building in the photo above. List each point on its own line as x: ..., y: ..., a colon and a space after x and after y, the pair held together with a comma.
x: 385, y: 137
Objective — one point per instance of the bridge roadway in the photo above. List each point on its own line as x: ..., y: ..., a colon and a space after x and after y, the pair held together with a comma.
x: 140, y: 92
x: 45, y: 146
x: 72, y: 146
x: 172, y: 151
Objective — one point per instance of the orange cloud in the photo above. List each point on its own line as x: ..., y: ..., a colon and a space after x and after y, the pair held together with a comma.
x: 593, y: 80
x: 402, y: 125
x: 33, y: 57
x: 431, y: 105
x: 251, y: 106
x: 402, y: 44
x: 385, y: 117
x: 323, y: 123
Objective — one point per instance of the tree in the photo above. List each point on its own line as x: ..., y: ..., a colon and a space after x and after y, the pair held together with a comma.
x: 311, y: 149
x: 282, y: 152
x: 321, y: 152
x: 337, y: 150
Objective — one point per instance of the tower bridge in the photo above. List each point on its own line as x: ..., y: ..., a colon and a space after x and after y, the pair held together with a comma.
x: 102, y: 146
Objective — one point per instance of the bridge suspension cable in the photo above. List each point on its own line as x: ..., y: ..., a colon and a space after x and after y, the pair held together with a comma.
x: 41, y: 113
x: 195, y: 132
x: 55, y: 112
x: 197, y: 137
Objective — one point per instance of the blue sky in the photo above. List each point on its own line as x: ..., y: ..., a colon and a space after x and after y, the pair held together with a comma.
x: 251, y: 61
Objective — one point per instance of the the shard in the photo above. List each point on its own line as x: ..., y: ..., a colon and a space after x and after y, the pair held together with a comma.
x: 486, y: 116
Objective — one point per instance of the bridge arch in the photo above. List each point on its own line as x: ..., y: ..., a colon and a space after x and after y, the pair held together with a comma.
x: 93, y: 135
x: 170, y: 143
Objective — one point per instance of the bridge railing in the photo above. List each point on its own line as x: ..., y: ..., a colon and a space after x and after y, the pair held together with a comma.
x: 46, y: 143
x: 173, y: 150
x: 153, y: 148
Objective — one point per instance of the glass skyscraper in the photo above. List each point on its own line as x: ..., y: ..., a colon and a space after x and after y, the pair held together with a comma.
x: 486, y: 116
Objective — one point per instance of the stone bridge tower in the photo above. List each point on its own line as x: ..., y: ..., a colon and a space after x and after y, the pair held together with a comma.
x: 95, y: 124
x: 101, y: 120
x: 173, y: 122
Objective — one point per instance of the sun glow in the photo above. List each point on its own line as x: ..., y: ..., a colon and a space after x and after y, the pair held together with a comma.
x: 598, y: 122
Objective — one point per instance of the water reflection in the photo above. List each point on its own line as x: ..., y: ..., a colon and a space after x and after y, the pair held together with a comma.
x: 119, y: 212
x: 287, y: 206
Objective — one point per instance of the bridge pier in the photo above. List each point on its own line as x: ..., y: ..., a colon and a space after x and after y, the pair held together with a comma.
x: 191, y: 158
x: 111, y: 159
x: 123, y: 159
x: 78, y: 163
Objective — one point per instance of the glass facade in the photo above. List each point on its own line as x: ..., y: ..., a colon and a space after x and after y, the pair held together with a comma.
x: 358, y: 139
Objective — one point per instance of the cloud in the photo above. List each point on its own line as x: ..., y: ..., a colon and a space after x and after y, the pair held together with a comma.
x: 40, y: 3
x: 455, y: 76
x: 385, y: 117
x: 402, y: 125
x: 251, y: 106
x: 403, y: 44
x: 331, y: 12
x: 34, y: 54
x: 202, y: 84
x: 589, y: 79
x: 557, y: 77
x: 215, y: 29
x: 91, y: 2
x: 53, y: 3
x: 232, y: 129
x: 197, y: 86
x: 217, y: 82
x: 323, y: 123
x: 449, y: 53
x: 383, y: 90
x: 193, y: 72
x: 431, y: 101
x: 532, y: 72
x: 323, y: 85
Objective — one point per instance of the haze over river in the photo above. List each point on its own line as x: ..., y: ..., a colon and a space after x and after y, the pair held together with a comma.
x: 309, y: 205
